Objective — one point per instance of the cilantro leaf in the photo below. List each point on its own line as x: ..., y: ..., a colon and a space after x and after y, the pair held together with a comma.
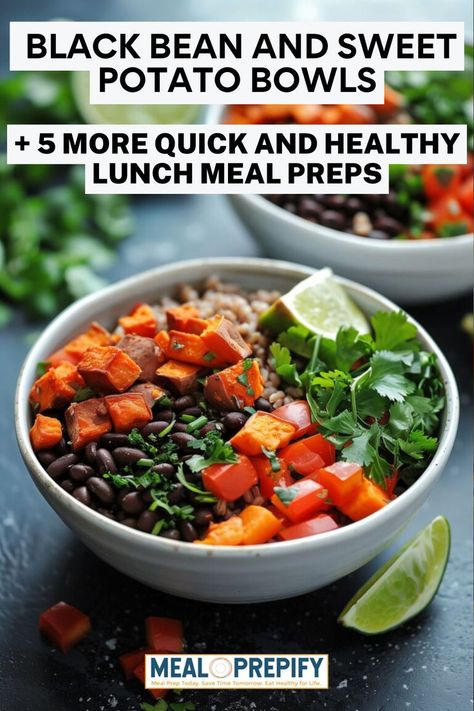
x: 216, y: 451
x: 386, y: 376
x: 417, y: 444
x: 360, y: 450
x: 350, y: 347
x: 392, y: 330
x: 284, y: 365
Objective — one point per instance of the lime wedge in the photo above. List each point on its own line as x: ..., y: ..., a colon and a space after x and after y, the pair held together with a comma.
x: 128, y: 113
x: 319, y: 304
x: 404, y: 586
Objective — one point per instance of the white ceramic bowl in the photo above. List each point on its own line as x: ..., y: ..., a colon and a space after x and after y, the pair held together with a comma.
x: 406, y: 271
x: 223, y: 574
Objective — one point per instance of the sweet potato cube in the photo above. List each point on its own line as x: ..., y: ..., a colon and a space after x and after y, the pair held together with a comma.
x: 56, y: 388
x: 162, y: 339
x: 190, y: 348
x: 235, y: 387
x: 262, y: 430
x: 182, y: 376
x: 342, y: 480
x: 128, y: 411
x: 87, y: 421
x: 260, y: 525
x: 45, y: 433
x: 185, y: 318
x: 222, y: 337
x: 64, y: 625
x: 225, y: 533
x: 150, y: 391
x: 96, y: 335
x: 145, y: 352
x: 108, y: 369
x: 141, y: 321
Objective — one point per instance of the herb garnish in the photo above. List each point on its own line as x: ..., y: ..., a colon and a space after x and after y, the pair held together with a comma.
x: 209, y: 356
x: 274, y: 460
x: 215, y: 451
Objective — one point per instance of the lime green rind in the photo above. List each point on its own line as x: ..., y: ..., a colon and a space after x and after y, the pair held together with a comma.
x: 404, y: 586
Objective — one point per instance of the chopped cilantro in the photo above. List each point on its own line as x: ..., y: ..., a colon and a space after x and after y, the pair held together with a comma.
x: 243, y: 379
x: 83, y: 394
x: 209, y: 356
x: 42, y: 367
x: 215, y: 451
x: 273, y: 457
x: 285, y: 494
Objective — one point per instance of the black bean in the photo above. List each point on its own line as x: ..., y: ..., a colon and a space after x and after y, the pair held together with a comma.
x: 165, y: 469
x: 101, y: 489
x: 180, y: 427
x: 154, y: 428
x: 353, y: 205
x: 181, y: 403
x: 46, y: 457
x: 67, y: 485
x: 164, y: 415
x: 177, y: 494
x: 336, y: 202
x: 122, y: 493
x: 105, y: 461
x: 290, y: 207
x: 90, y: 453
x: 378, y: 234
x: 130, y: 522
x: 333, y: 219
x: 203, y: 517
x: 106, y: 512
x: 61, y: 465
x: 188, y: 531
x: 127, y: 456
x: 182, y: 439
x: 171, y: 533
x: 234, y: 421
x: 192, y: 411
x: 133, y: 503
x: 147, y: 520
x: 308, y: 207
x: 80, y: 472
x: 389, y: 225
x: 147, y: 497
x: 113, y: 440
x: 211, y: 427
x: 82, y: 495
x: 61, y: 447
x: 263, y: 404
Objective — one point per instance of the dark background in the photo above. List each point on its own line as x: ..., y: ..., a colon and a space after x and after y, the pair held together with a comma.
x: 425, y: 665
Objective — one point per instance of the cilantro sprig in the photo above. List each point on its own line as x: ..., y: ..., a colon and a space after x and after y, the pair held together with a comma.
x: 377, y: 398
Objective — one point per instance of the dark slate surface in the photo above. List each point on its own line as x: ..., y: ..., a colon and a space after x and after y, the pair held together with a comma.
x: 424, y: 666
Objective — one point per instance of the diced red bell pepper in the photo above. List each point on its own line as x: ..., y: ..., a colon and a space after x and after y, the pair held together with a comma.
x: 130, y: 661
x: 299, y: 457
x: 318, y: 444
x: 164, y: 634
x: 391, y: 482
x: 268, y: 479
x: 319, y: 524
x: 64, y: 625
x: 139, y: 673
x: 301, y: 500
x: 230, y: 481
x: 342, y: 480
x: 299, y: 414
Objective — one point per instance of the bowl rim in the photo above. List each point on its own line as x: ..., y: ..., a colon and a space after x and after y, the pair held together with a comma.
x: 225, y: 265
x: 214, y: 116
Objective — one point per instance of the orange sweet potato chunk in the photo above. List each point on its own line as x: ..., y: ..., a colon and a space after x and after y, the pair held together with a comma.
x: 235, y: 387
x: 145, y: 352
x: 262, y: 430
x: 222, y: 337
x: 141, y: 321
x: 190, y: 348
x: 56, y: 388
x: 128, y: 411
x: 45, y: 433
x: 87, y: 421
x: 182, y: 376
x: 185, y: 318
x: 108, y: 369
x: 150, y: 391
x: 96, y: 335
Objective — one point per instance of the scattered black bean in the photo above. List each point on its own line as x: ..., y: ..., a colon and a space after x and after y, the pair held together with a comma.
x: 128, y: 456
x: 101, y: 489
x: 82, y: 495
x: 263, y: 404
x: 147, y: 497
x: 388, y: 225
x: 182, y: 439
x: 192, y: 411
x: 165, y: 469
x: 187, y: 530
x: 81, y: 472
x: 90, y: 453
x: 181, y: 403
x: 133, y: 503
x: 113, y: 440
x: 211, y: 427
x: 203, y: 517
x: 171, y: 533
x: 154, y: 427
x: 130, y: 522
x: 46, y: 457
x: 105, y: 461
x: 147, y: 520
x: 177, y: 494
x: 67, y: 485
x: 164, y: 415
x: 61, y: 447
x: 61, y: 465
x: 180, y: 427
x: 106, y: 512
x: 333, y: 219
x: 122, y: 493
x: 234, y: 421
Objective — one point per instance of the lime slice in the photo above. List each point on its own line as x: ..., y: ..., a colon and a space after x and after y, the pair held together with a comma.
x: 319, y: 304
x: 128, y: 113
x: 404, y: 586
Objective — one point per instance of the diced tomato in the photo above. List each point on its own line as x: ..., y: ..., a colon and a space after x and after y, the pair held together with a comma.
x: 64, y: 625
x: 268, y: 479
x: 391, y: 482
x: 300, y: 458
x: 342, y: 480
x: 164, y: 634
x: 298, y: 414
x: 448, y: 217
x: 439, y: 180
x: 466, y: 195
x: 139, y: 673
x: 320, y: 524
x: 301, y: 500
x: 321, y: 446
x: 130, y: 661
x: 230, y: 481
